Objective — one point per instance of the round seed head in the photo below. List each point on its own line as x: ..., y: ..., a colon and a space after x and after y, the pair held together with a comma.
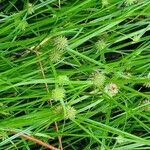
x: 62, y: 79
x: 70, y: 113
x: 111, y: 89
x: 58, y: 94
x: 98, y: 79
x: 55, y: 55
x: 100, y: 45
x: 59, y: 110
x: 60, y: 42
x: 3, y: 135
x: 21, y: 24
x: 120, y: 139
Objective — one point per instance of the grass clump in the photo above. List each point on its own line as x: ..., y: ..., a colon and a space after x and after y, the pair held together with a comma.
x: 74, y: 74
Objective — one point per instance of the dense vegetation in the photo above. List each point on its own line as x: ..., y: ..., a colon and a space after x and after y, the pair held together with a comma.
x: 75, y: 74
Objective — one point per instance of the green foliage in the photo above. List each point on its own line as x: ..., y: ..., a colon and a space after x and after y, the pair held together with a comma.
x: 66, y: 54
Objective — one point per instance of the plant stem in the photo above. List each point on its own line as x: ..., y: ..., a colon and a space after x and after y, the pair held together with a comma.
x: 47, y: 90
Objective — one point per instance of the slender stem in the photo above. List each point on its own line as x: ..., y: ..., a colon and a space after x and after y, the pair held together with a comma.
x: 50, y: 147
x: 47, y: 89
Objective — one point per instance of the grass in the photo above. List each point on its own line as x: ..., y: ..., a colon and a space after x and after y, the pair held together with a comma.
x: 74, y: 75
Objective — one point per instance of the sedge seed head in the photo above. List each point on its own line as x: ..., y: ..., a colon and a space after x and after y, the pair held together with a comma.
x: 55, y: 55
x: 3, y: 135
x: 60, y: 42
x: 21, y: 24
x: 62, y: 79
x: 70, y: 112
x: 98, y: 79
x: 111, y: 89
x: 58, y: 94
x: 58, y: 110
x: 100, y: 45
x: 120, y: 139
